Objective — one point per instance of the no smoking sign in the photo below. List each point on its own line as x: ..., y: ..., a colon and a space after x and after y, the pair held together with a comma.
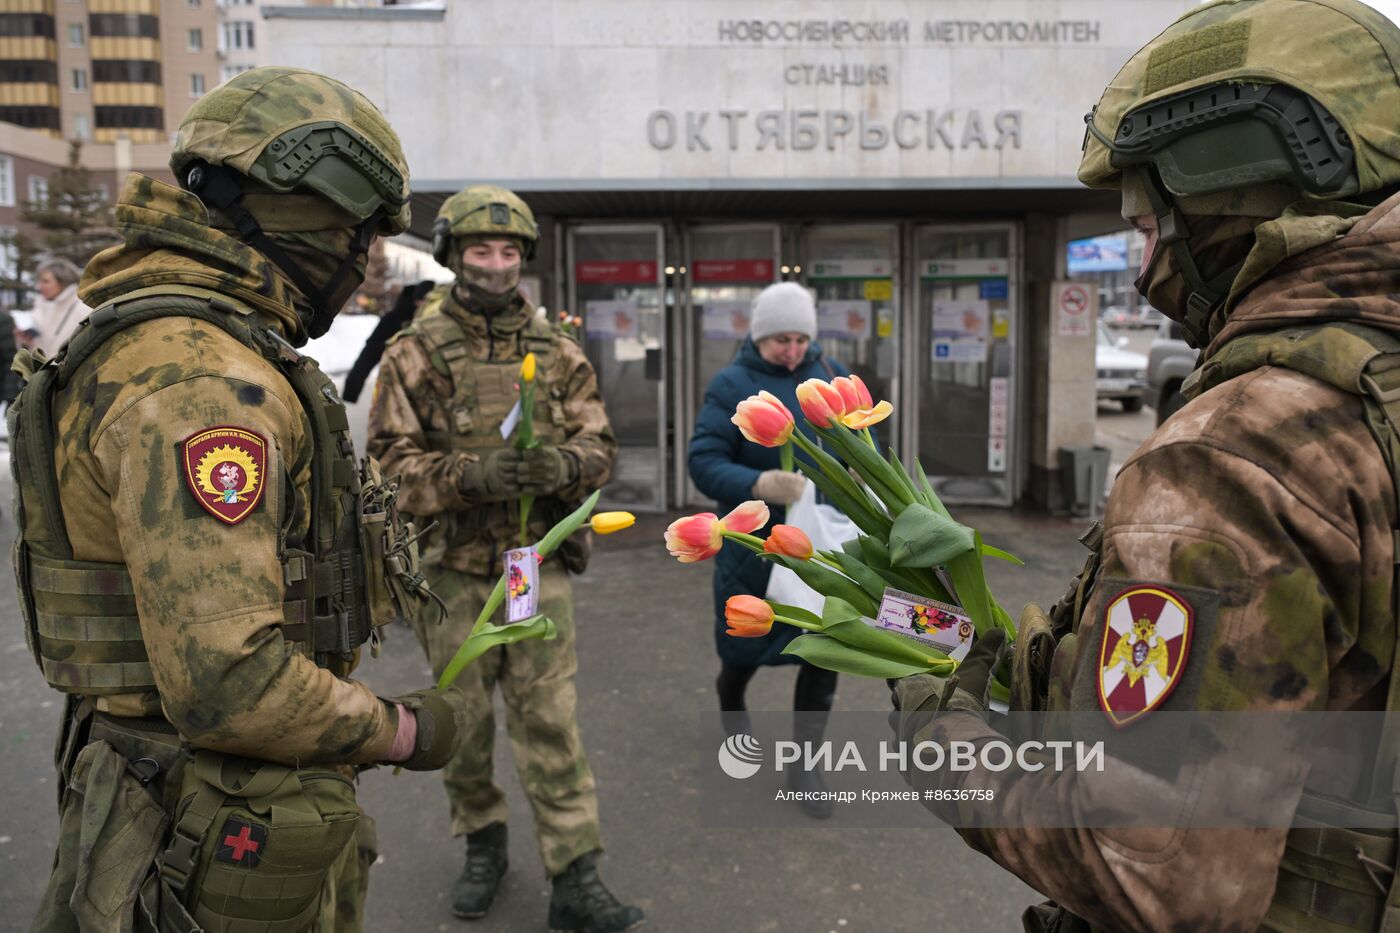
x: 1073, y: 303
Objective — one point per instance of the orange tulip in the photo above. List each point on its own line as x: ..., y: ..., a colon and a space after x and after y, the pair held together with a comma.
x: 763, y: 419
x: 694, y: 538
x: 747, y: 517
x: 857, y: 420
x: 854, y: 394
x: 789, y: 541
x: 821, y: 402
x: 748, y: 617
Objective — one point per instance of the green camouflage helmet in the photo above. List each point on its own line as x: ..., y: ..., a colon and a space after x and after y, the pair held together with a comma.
x: 1246, y: 92
x: 288, y: 129
x: 483, y: 210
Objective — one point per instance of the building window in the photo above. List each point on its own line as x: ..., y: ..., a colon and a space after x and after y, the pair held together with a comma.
x: 35, y: 118
x: 9, y: 253
x: 237, y: 35
x: 103, y: 193
x: 196, y: 43
x: 28, y: 71
x: 75, y: 35
x: 38, y: 189
x: 229, y: 71
x: 80, y: 79
x: 122, y: 71
x: 130, y: 118
x: 7, y: 181
x: 27, y: 25
x: 192, y: 3
x: 196, y: 85
x: 81, y: 128
x: 129, y: 25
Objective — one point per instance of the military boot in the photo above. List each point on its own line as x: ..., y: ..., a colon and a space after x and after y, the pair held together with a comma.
x: 581, y: 904
x: 476, y: 888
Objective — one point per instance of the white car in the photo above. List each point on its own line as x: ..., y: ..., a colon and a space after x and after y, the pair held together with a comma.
x: 1120, y: 374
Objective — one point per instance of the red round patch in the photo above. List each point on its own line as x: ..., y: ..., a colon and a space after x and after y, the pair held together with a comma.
x: 1146, y: 637
x: 225, y: 468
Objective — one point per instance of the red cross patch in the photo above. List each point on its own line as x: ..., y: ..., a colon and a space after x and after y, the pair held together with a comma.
x: 1146, y: 637
x: 241, y: 842
x: 225, y: 469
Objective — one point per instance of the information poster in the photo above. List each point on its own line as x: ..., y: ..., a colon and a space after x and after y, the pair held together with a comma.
x: 725, y: 320
x: 844, y: 319
x: 612, y: 320
x: 960, y: 331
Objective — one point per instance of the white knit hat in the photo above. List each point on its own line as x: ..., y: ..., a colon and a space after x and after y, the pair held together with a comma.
x: 783, y: 308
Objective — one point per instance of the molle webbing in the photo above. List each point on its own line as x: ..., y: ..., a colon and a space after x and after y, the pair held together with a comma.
x: 81, y: 617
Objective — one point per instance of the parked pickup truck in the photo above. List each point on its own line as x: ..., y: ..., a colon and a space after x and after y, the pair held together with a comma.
x: 1169, y: 361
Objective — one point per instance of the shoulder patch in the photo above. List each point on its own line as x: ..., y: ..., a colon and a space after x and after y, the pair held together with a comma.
x: 225, y: 468
x: 1147, y: 633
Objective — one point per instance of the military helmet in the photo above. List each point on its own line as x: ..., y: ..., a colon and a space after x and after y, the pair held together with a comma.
x: 483, y: 210
x: 289, y: 129
x: 1246, y: 92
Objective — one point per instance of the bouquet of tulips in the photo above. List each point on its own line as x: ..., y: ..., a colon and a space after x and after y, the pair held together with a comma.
x: 908, y: 540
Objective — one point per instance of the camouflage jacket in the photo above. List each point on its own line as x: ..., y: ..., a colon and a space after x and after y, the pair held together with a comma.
x: 1266, y: 503
x: 410, y: 406
x: 209, y: 594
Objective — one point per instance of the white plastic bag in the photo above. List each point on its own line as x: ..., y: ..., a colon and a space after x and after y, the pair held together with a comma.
x: 828, y: 528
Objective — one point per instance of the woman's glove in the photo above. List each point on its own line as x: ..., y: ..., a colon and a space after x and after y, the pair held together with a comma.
x: 779, y: 487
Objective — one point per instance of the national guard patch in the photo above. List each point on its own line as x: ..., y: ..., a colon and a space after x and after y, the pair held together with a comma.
x: 224, y: 468
x: 1146, y: 636
x: 241, y: 842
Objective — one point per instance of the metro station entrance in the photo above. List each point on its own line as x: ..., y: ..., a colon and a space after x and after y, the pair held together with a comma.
x: 926, y: 315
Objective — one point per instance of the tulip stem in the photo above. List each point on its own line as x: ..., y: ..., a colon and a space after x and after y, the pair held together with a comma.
x: 752, y: 542
x: 869, y: 439
x: 785, y: 456
x: 798, y: 623
x: 829, y: 562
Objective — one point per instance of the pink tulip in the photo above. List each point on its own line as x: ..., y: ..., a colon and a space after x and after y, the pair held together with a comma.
x: 789, y: 541
x: 747, y: 518
x: 694, y: 538
x: 854, y: 394
x: 748, y: 617
x: 763, y: 419
x: 821, y: 402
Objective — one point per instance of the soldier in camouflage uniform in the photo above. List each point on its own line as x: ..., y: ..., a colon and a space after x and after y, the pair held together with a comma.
x: 446, y: 385
x: 190, y: 567
x: 1256, y: 144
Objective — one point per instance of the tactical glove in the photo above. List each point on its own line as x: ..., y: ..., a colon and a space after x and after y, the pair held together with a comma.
x: 779, y: 487
x: 441, y: 722
x: 494, y: 477
x: 917, y: 697
x: 546, y: 469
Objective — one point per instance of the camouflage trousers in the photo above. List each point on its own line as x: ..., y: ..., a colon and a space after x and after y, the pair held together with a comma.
x: 537, y: 683
x: 111, y: 831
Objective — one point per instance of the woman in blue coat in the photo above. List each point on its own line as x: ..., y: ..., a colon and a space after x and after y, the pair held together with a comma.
x: 779, y: 353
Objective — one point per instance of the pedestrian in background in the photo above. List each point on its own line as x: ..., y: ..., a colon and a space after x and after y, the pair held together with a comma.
x: 57, y: 311
x: 390, y: 324
x: 780, y: 353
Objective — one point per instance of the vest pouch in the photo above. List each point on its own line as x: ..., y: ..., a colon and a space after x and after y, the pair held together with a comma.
x: 254, y: 842
x: 119, y: 830
x: 395, y: 587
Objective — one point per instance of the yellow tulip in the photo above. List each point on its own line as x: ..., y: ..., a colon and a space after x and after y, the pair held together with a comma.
x: 605, y: 523
x: 527, y: 368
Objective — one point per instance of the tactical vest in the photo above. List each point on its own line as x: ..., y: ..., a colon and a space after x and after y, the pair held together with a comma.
x: 359, y: 569
x: 483, y: 394
x: 1332, y: 878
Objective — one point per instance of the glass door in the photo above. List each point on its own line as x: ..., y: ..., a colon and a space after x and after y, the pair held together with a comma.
x: 854, y: 272
x: 962, y: 361
x: 727, y: 267
x: 615, y: 283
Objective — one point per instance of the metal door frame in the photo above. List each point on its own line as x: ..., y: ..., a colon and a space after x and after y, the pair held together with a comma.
x: 687, y: 407
x: 659, y: 230
x: 913, y: 359
x: 899, y: 273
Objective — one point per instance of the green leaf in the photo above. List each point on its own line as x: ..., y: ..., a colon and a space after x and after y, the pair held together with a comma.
x: 491, y: 636
x: 857, y: 509
x: 926, y: 489
x: 921, y: 581
x: 829, y: 654
x: 868, y: 579
x: 795, y: 612
x: 886, y: 644
x: 878, y: 474
x: 999, y: 554
x: 968, y: 580
x: 828, y: 582
x: 836, y: 610
x: 903, y: 476
x: 922, y: 537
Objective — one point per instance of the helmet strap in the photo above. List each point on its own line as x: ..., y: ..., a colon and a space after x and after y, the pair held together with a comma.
x: 1203, y: 297
x: 218, y: 187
